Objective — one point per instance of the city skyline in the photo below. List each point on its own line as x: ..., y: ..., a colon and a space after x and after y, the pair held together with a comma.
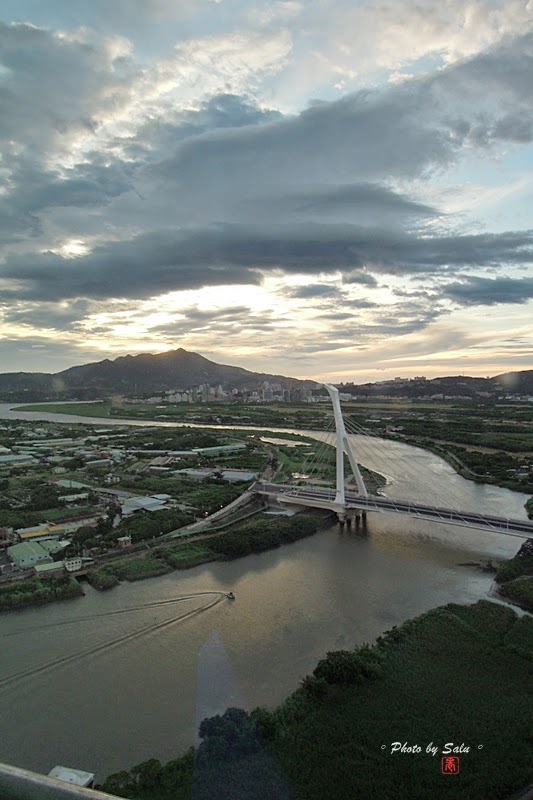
x: 338, y: 193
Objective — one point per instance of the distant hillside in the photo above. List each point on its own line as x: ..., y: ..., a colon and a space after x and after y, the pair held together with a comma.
x: 519, y: 383
x: 142, y: 374
x: 516, y: 382
x: 180, y: 369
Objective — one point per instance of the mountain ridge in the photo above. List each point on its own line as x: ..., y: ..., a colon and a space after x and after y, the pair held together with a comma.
x: 182, y: 369
x: 143, y: 373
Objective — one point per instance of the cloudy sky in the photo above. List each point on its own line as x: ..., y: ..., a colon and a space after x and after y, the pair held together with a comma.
x: 334, y: 189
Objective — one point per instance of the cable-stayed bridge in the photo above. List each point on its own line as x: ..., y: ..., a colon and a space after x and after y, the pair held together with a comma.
x: 350, y: 503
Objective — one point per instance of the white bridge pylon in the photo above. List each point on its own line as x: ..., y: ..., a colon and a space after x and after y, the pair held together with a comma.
x: 343, y: 445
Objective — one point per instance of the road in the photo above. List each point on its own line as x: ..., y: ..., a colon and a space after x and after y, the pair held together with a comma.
x: 317, y: 496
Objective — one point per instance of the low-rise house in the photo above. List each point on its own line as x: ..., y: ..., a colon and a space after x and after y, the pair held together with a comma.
x: 53, y: 547
x: 197, y: 474
x: 66, y: 484
x: 73, y: 564
x: 55, y: 568
x: 234, y: 475
x: 18, y: 461
x: 135, y: 504
x: 34, y: 532
x: 73, y: 498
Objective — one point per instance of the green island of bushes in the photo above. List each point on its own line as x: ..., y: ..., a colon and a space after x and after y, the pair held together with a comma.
x: 515, y: 577
x: 37, y: 591
x: 240, y: 540
x: 457, y: 675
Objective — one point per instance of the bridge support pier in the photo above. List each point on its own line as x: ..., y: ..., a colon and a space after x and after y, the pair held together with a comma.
x: 341, y: 516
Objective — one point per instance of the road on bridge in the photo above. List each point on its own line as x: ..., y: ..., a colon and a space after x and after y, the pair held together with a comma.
x: 325, y: 498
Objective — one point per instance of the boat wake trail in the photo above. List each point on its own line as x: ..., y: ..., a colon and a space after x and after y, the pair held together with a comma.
x: 128, y: 637
x: 128, y: 610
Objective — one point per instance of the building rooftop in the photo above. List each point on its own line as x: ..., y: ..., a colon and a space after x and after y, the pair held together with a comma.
x: 74, y: 776
x: 55, y: 566
x: 53, y: 546
x: 142, y: 504
x: 26, y: 549
x: 73, y: 484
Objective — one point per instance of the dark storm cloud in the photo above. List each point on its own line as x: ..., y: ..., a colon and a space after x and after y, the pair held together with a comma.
x: 149, y: 265
x: 361, y: 197
x: 38, y: 354
x: 361, y: 277
x: 232, y: 321
x: 475, y: 290
x: 351, y: 306
x: 16, y: 225
x: 161, y: 262
x: 357, y: 138
x: 46, y: 315
x: 92, y: 184
x: 54, y: 86
x: 313, y: 290
x: 225, y: 314
x: 157, y: 136
x: 359, y: 203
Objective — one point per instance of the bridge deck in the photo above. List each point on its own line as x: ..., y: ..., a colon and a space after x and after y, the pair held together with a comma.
x: 319, y: 497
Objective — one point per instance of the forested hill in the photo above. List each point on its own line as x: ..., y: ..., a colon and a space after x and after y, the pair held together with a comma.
x: 145, y: 373
x: 510, y: 383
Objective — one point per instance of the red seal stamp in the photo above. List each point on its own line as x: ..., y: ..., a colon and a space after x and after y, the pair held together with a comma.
x: 449, y: 765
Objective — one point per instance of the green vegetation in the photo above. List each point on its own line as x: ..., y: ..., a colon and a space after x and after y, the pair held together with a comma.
x: 206, y: 496
x: 188, y: 555
x: 520, y: 636
x: 520, y: 564
x: 135, y: 569
x: 101, y: 579
x: 98, y: 409
x: 516, y: 577
x: 432, y: 680
x: 519, y: 591
x: 147, y: 526
x: 263, y: 415
x: 264, y: 533
x: 37, y: 591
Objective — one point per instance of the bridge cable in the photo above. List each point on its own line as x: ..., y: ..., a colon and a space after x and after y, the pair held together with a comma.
x: 413, y: 469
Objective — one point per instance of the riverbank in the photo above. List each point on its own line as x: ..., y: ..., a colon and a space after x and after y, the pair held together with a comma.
x: 515, y: 578
x: 38, y: 591
x: 336, y: 735
x: 466, y: 472
x: 239, y: 539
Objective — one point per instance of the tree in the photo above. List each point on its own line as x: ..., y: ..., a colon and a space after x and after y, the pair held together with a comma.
x: 120, y: 783
x: 349, y: 666
x: 227, y: 737
x: 147, y: 775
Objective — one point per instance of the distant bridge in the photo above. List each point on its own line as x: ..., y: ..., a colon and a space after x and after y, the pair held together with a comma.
x: 349, y: 504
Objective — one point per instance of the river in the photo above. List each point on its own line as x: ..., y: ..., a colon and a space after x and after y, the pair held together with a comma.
x: 105, y: 681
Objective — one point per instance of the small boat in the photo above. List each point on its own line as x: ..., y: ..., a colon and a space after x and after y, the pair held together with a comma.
x: 230, y: 596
